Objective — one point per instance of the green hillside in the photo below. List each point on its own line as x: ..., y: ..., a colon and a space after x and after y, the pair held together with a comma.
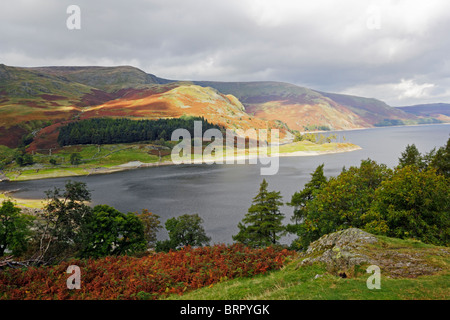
x: 410, y: 270
x: 23, y: 83
x: 108, y: 79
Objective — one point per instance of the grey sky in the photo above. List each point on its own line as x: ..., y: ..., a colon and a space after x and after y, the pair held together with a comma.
x: 328, y: 45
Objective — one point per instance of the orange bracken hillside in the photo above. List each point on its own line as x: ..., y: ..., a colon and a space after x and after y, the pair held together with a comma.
x: 193, y: 100
x: 224, y: 110
x: 299, y: 116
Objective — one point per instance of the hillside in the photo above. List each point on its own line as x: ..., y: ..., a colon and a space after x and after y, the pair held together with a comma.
x: 38, y: 101
x: 35, y: 102
x: 154, y: 275
x: 373, y: 110
x: 29, y: 100
x: 108, y: 79
x: 300, y: 107
x: 334, y: 268
x: 440, y: 111
x: 223, y: 110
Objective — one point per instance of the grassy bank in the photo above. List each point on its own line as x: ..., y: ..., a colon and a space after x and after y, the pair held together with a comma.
x: 410, y: 270
x: 119, y: 157
x: 24, y: 203
x: 94, y: 160
x: 308, y: 146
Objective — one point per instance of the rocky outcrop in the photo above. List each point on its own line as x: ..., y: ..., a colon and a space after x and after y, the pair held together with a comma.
x: 341, y: 250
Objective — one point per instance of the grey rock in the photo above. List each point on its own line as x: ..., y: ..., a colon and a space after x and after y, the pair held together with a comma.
x: 340, y: 250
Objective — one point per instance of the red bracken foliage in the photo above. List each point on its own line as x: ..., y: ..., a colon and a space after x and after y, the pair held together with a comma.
x: 149, y: 277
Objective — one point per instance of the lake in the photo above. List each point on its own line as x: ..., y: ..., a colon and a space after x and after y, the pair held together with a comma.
x: 221, y: 194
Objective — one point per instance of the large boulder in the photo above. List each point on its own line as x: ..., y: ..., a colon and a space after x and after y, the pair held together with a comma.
x: 341, y: 250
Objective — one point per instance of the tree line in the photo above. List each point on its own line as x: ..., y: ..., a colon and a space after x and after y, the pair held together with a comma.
x: 411, y: 200
x: 122, y: 130
x: 397, y: 122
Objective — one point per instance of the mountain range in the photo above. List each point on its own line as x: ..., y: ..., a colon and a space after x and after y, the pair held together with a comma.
x: 37, y: 101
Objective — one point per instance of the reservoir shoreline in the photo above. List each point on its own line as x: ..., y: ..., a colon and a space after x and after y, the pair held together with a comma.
x: 131, y: 165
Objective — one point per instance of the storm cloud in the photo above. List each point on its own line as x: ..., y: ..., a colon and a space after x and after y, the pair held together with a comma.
x: 396, y: 51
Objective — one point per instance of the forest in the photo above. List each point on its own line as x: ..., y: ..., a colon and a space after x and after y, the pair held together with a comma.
x: 110, y: 131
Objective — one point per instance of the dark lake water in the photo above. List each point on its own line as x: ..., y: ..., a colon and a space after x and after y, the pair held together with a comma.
x: 221, y: 194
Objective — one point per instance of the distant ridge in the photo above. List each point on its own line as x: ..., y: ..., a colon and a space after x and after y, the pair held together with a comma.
x: 428, y: 109
x: 301, y: 107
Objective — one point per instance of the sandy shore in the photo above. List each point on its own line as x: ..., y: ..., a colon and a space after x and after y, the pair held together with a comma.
x: 222, y: 160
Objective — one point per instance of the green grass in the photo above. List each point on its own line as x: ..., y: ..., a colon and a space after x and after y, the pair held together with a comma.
x: 93, y: 160
x: 28, y: 203
x: 310, y: 146
x: 109, y: 157
x: 47, y: 173
x: 30, y: 84
x: 131, y: 154
x: 314, y: 282
x: 291, y: 283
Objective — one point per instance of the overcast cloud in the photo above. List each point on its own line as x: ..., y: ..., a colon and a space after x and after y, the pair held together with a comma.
x: 397, y: 51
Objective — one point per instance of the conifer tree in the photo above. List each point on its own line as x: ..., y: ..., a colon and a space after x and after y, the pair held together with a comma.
x: 262, y: 225
x: 411, y: 157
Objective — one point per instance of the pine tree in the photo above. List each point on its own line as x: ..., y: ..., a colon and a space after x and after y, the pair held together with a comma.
x: 262, y: 225
x: 411, y: 157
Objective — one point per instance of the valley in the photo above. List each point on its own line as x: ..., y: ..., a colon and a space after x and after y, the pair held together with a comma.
x: 36, y: 102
